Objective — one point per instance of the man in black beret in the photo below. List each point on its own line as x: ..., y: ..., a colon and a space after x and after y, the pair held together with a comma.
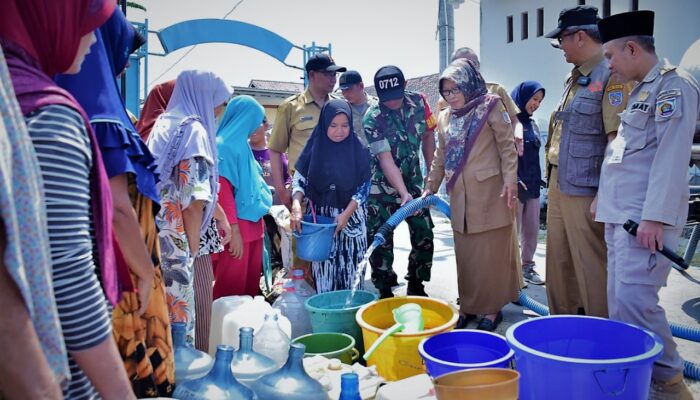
x: 580, y: 128
x: 644, y: 179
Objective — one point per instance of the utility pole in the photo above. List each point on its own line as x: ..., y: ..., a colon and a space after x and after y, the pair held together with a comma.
x: 446, y: 30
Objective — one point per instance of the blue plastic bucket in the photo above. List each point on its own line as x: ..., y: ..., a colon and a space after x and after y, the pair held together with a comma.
x: 582, y: 358
x: 315, y: 241
x: 464, y: 349
x: 329, y: 314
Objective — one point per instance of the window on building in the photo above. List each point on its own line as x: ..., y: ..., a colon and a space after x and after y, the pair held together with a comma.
x: 581, y: 2
x: 509, y: 23
x: 524, y: 28
x: 606, y: 8
x: 540, y: 22
x: 634, y: 5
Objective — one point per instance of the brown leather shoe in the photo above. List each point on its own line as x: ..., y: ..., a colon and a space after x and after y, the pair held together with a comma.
x: 673, y: 389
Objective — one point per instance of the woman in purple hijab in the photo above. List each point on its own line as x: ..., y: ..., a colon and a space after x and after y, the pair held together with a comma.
x: 476, y: 156
x: 183, y: 141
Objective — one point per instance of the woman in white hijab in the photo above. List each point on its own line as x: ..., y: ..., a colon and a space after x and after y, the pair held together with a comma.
x: 183, y: 140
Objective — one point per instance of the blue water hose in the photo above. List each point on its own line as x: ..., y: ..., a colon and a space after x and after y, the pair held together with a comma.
x: 686, y: 332
x: 406, y: 211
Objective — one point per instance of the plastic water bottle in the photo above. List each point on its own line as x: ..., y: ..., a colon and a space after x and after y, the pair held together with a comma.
x: 349, y: 387
x: 271, y: 341
x: 302, y: 287
x: 190, y: 363
x: 248, y: 365
x: 291, y: 307
x: 291, y: 382
x: 218, y: 384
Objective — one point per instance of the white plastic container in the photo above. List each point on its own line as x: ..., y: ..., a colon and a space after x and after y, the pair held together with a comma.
x: 251, y: 314
x: 219, y: 308
x: 291, y: 307
x: 271, y: 341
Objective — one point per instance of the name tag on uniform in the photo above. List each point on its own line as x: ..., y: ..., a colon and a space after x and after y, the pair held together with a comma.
x: 640, y: 106
x: 618, y: 149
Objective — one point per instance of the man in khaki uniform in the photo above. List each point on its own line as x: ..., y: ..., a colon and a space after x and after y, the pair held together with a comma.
x: 645, y: 179
x: 579, y: 130
x: 297, y: 117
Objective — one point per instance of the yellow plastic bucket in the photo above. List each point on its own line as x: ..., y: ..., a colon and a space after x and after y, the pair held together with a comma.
x: 477, y: 384
x: 398, y: 358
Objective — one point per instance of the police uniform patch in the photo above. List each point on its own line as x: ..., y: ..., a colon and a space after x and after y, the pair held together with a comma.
x: 666, y: 107
x: 306, y: 118
x: 614, y: 87
x: 615, y: 98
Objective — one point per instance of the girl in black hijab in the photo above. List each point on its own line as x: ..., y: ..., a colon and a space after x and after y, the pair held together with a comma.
x: 333, y: 173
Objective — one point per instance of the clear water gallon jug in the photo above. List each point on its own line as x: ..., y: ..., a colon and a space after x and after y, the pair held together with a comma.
x: 219, y: 384
x: 290, y: 382
x: 190, y: 363
x: 248, y: 365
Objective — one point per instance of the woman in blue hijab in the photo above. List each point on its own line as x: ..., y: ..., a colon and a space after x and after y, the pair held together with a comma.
x: 333, y: 174
x: 245, y: 198
x: 528, y: 96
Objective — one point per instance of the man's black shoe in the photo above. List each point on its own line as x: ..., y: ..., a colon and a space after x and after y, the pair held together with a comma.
x: 415, y: 288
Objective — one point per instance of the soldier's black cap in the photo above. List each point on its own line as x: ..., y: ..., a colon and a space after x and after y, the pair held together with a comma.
x: 633, y: 23
x: 579, y: 16
x: 323, y: 62
x: 389, y: 83
x: 348, y: 79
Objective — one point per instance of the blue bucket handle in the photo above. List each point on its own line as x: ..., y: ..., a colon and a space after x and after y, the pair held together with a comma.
x: 598, y: 374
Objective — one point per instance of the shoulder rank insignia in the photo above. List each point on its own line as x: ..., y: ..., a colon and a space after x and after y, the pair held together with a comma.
x: 666, y: 69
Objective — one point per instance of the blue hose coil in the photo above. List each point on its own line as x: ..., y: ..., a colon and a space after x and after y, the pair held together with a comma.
x: 685, y: 332
x: 532, y: 304
x: 691, y: 370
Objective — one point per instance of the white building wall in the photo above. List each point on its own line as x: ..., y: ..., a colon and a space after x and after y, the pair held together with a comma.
x: 677, y: 26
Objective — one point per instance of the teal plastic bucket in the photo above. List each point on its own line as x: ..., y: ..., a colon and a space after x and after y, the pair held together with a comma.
x: 315, y: 241
x: 328, y: 313
x: 582, y: 358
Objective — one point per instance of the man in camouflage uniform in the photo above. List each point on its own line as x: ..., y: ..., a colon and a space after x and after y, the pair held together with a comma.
x: 395, y: 129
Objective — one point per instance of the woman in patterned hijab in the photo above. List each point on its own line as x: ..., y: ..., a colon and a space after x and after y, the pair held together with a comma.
x: 476, y: 156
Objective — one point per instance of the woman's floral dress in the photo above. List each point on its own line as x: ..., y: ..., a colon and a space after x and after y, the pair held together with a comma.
x: 188, y: 182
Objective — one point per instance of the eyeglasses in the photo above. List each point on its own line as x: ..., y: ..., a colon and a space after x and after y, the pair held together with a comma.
x: 450, y: 92
x: 562, y: 37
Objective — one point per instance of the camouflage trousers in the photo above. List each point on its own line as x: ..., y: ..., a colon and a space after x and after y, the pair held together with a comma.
x: 420, y: 260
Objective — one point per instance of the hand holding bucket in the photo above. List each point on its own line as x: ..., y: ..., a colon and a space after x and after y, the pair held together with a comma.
x: 409, y: 319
